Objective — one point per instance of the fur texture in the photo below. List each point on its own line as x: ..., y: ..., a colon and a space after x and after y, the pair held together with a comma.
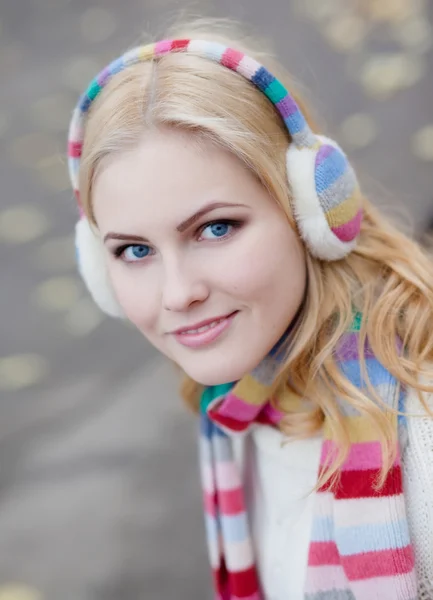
x: 93, y: 268
x: 310, y: 217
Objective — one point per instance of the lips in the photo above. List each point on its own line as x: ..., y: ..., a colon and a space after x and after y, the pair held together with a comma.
x: 206, y: 323
x: 206, y: 333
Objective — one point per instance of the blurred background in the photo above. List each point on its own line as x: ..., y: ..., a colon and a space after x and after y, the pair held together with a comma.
x: 99, y: 491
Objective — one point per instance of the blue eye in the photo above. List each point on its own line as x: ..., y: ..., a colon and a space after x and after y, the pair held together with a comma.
x: 219, y: 229
x: 135, y: 252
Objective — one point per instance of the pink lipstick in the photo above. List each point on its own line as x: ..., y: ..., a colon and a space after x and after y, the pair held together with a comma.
x: 205, y: 332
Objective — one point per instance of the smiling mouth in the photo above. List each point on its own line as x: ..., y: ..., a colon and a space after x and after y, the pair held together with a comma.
x: 204, y: 327
x: 200, y: 336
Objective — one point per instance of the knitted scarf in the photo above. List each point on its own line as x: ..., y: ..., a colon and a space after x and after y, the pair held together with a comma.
x: 359, y: 547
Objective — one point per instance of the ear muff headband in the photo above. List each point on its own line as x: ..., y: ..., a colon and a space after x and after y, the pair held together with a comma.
x: 326, y: 198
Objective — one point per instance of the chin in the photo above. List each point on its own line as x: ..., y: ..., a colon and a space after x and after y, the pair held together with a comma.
x: 216, y: 374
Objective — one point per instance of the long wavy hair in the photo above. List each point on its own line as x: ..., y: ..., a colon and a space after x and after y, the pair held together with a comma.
x: 388, y: 277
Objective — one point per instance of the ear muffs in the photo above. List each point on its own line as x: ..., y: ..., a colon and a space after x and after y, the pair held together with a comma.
x: 326, y: 198
x: 92, y: 265
x: 327, y: 202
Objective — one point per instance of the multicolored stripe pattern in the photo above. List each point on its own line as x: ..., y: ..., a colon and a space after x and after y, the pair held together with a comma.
x: 338, y: 192
x: 360, y: 547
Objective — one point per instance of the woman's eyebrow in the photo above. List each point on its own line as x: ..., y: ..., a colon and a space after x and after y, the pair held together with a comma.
x: 181, y: 227
x: 203, y: 211
x: 111, y: 235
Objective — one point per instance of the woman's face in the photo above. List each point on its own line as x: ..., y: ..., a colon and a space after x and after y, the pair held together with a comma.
x: 194, y: 241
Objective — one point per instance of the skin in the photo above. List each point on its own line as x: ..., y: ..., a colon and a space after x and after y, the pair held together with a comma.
x: 170, y: 279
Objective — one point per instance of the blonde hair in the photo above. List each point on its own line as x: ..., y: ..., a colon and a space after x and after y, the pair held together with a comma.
x: 387, y: 277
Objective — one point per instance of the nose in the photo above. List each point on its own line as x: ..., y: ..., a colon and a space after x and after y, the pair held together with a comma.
x: 182, y: 287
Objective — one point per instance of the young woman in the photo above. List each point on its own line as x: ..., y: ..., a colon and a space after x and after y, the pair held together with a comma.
x: 235, y: 237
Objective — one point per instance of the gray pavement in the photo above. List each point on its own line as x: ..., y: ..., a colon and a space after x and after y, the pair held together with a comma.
x: 99, y: 491
x: 107, y: 505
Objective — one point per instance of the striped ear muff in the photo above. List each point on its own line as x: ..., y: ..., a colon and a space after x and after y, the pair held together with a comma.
x: 326, y: 198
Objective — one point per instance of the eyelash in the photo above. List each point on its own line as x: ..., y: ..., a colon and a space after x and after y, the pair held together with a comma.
x: 236, y: 224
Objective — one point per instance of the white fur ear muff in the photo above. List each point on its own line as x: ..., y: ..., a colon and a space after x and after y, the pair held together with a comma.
x: 93, y: 268
x: 326, y: 198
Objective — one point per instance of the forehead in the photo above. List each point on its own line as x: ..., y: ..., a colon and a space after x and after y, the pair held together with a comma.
x: 167, y: 176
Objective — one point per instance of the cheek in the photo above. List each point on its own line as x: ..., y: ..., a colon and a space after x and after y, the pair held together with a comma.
x: 134, y: 294
x: 268, y: 263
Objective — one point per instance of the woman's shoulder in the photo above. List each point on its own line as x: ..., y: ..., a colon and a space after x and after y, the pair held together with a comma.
x: 417, y: 470
x: 419, y: 423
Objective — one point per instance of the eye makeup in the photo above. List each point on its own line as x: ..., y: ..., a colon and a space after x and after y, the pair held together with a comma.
x: 234, y: 225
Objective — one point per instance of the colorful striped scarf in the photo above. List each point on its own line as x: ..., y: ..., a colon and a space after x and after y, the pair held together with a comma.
x: 360, y: 547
